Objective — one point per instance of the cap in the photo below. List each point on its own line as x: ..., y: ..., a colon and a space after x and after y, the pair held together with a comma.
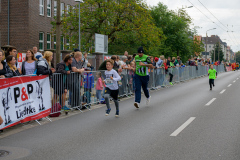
x: 140, y: 50
x: 156, y: 59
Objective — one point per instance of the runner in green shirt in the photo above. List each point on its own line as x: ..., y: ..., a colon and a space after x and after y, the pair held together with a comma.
x: 212, y: 73
x: 142, y: 63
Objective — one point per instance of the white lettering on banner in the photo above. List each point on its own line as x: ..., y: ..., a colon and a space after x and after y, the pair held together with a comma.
x: 24, y: 99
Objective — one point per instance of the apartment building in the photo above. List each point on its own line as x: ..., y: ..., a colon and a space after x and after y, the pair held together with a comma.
x: 27, y: 23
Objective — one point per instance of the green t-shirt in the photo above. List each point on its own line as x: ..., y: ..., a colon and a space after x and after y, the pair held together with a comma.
x: 142, y: 70
x: 212, y: 73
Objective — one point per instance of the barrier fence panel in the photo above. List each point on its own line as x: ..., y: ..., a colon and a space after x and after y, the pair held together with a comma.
x: 76, y: 91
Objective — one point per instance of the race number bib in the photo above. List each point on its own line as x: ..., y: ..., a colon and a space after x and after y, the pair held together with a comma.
x: 109, y: 82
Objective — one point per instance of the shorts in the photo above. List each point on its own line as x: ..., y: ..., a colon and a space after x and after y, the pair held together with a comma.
x: 112, y: 93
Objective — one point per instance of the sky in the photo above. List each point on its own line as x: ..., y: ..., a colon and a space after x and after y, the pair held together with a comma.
x: 225, y: 15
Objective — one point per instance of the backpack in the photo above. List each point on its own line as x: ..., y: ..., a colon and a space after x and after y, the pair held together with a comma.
x: 55, y: 110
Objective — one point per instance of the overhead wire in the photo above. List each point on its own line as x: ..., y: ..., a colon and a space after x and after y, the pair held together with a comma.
x: 213, y: 21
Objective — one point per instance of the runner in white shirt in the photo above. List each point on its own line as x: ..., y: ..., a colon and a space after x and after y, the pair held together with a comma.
x: 111, y: 86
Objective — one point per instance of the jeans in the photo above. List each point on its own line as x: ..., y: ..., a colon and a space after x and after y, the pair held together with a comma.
x: 141, y: 81
x: 99, y: 94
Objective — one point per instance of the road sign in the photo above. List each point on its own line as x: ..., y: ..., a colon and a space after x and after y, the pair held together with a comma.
x: 101, y: 43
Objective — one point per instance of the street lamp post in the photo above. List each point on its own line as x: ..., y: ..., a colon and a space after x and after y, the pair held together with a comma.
x: 79, y: 27
x: 206, y: 42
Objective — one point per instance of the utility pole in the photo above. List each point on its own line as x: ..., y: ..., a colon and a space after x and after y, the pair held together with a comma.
x: 218, y: 48
x: 58, y: 32
x: 214, y: 52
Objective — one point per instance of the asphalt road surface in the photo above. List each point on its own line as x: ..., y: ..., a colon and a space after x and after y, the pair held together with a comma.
x: 183, y: 122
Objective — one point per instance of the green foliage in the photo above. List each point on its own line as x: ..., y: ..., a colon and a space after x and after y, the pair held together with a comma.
x: 128, y: 24
x: 238, y: 56
x: 217, y: 48
x: 179, y: 37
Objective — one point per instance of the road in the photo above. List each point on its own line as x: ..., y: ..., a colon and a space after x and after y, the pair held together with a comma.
x: 183, y: 122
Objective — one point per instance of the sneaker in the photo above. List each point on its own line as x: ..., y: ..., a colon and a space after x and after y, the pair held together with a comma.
x: 108, y: 111
x: 210, y: 89
x: 65, y: 108
x: 213, y: 85
x: 170, y: 83
x: 117, y: 114
x: 148, y: 101
x: 136, y: 105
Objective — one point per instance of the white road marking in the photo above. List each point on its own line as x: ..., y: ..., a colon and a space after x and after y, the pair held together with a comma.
x: 210, y: 102
x: 234, y: 81
x: 237, y: 78
x: 182, y: 127
x: 222, y: 91
x: 229, y: 85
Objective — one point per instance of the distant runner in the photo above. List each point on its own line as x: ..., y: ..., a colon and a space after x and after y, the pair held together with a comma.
x: 142, y: 63
x: 212, y: 73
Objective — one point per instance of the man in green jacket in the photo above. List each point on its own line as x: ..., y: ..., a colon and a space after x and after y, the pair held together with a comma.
x: 142, y: 63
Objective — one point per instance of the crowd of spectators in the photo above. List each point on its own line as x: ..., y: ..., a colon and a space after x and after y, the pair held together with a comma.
x: 41, y: 64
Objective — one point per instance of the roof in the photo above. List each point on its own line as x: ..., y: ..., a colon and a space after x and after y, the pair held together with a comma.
x: 213, y: 40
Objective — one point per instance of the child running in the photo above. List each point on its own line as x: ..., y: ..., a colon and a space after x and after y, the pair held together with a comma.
x: 212, y: 73
x: 111, y: 86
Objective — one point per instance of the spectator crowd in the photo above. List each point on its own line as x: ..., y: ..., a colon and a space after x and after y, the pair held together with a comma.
x: 74, y: 73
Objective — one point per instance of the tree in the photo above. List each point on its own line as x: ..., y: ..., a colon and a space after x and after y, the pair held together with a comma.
x: 238, y: 56
x: 128, y: 24
x: 217, y: 49
x: 175, y: 27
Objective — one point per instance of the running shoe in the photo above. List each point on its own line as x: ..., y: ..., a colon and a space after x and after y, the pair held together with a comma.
x: 136, y: 105
x: 148, y: 101
x: 210, y: 89
x: 170, y: 83
x: 65, y: 108
x: 117, y: 114
x: 108, y: 111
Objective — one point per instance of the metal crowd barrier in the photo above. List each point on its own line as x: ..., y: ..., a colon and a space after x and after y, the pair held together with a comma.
x: 79, y: 92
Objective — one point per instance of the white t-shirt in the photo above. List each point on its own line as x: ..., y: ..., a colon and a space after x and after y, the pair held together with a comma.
x: 112, y: 83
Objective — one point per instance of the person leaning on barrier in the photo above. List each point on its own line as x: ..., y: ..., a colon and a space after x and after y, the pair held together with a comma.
x: 62, y: 82
x: 13, y: 51
x: 4, y: 68
x: 29, y: 66
x: 75, y: 97
x: 44, y: 64
x: 13, y: 71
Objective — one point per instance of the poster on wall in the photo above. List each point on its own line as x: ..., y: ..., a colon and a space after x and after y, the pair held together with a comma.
x: 20, y: 58
x: 24, y: 99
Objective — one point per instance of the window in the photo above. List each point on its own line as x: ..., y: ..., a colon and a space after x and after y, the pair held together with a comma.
x: 49, y: 8
x: 55, y: 8
x: 41, y: 7
x: 67, y: 43
x: 41, y: 41
x: 48, y: 41
x: 54, y: 41
x: 68, y: 9
x: 62, y: 43
x: 210, y: 46
x: 62, y: 9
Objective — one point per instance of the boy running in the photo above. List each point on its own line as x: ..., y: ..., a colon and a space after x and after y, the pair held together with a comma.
x: 111, y: 86
x: 212, y: 73
x: 142, y: 62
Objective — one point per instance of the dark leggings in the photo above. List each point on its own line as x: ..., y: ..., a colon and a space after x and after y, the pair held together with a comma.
x: 171, y: 77
x: 211, y: 82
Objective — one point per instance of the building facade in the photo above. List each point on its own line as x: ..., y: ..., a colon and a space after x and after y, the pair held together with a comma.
x: 30, y: 23
x: 209, y: 45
